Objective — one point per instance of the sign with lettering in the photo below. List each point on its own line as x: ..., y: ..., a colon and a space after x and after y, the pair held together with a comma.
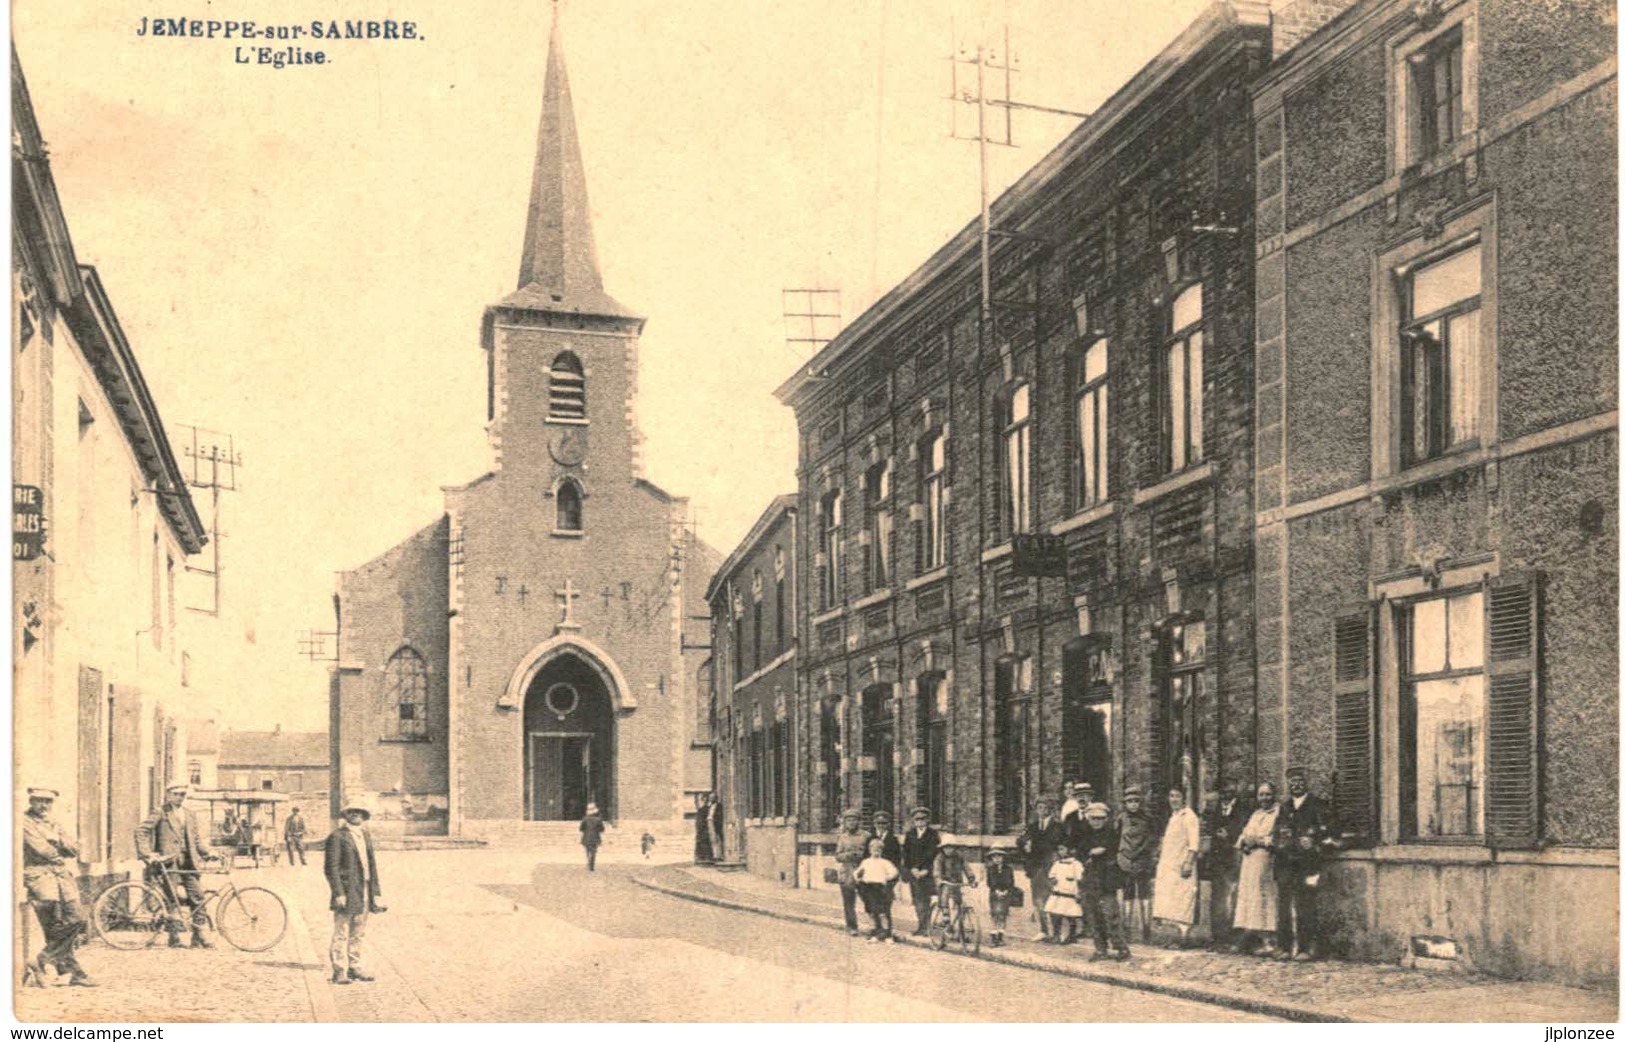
x: 1038, y: 555
x: 27, y: 522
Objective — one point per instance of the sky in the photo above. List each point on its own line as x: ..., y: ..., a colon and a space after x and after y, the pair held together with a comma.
x: 301, y: 256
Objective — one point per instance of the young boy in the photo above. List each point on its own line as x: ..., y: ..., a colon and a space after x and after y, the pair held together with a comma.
x: 875, y: 876
x: 1001, y: 882
x: 1065, y: 877
x: 952, y: 875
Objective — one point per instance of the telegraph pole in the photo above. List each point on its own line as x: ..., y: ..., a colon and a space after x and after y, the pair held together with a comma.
x: 212, y: 462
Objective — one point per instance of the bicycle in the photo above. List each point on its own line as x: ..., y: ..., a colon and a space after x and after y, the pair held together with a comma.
x: 136, y: 913
x: 956, y: 923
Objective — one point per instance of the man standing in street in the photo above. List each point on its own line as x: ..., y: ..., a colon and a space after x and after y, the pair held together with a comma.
x: 1037, y: 845
x: 1225, y: 818
x: 851, y: 847
x: 919, y: 855
x: 49, y: 875
x: 1304, y: 830
x: 352, y: 876
x: 1138, y: 841
x: 294, y: 834
x: 171, y: 837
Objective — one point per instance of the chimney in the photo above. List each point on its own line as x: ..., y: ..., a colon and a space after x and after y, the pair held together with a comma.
x: 1293, y: 21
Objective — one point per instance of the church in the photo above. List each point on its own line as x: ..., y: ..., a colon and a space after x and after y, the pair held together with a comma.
x: 539, y: 646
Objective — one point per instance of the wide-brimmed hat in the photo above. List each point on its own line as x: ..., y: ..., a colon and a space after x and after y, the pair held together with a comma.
x: 355, y: 805
x: 592, y: 808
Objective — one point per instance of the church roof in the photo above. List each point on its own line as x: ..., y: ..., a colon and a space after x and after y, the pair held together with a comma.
x: 558, y: 270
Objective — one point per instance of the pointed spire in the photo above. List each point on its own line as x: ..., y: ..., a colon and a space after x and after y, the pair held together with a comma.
x: 558, y: 269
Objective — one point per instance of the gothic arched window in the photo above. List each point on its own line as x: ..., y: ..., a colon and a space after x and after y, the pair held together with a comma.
x: 406, y: 688
x: 568, y: 502
x: 566, y: 389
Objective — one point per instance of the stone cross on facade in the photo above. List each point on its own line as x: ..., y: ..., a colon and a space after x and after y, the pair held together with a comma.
x: 567, y: 598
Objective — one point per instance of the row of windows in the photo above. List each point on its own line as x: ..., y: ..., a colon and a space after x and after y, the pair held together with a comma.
x: 759, y: 649
x: 768, y: 783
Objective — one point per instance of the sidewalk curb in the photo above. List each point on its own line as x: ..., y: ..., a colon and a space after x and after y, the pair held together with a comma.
x: 322, y: 1008
x: 1196, y: 993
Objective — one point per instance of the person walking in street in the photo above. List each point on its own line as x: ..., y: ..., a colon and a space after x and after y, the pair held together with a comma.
x: 170, y: 838
x: 1001, y: 892
x: 352, y: 877
x: 1177, y: 886
x: 851, y: 847
x: 50, y: 878
x: 1223, y: 820
x: 1037, y: 844
x: 592, y: 835
x: 1304, y: 830
x: 919, y: 855
x: 1099, y: 844
x: 1063, y: 903
x: 293, y: 833
x: 1136, y: 859
x: 1256, y: 914
x: 876, y: 877
x: 703, y: 853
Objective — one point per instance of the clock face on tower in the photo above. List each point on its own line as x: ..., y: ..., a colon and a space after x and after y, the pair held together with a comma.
x: 568, y: 446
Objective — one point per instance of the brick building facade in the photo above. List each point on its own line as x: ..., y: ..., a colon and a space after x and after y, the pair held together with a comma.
x: 528, y: 651
x: 1108, y: 401
x: 1437, y: 454
x: 753, y: 673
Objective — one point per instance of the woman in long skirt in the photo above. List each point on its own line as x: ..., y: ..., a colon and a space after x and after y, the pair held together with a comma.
x: 1255, y: 891
x: 1177, y: 886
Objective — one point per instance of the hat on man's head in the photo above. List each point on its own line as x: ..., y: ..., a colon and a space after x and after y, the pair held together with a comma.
x: 181, y: 787
x: 355, y: 805
x: 919, y: 812
x: 43, y: 794
x: 592, y: 808
x: 996, y: 852
x: 852, y: 813
x: 1096, y: 810
x: 1133, y: 790
x: 1297, y: 772
x: 881, y: 815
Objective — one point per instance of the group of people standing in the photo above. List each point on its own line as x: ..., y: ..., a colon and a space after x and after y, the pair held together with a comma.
x: 1098, y: 873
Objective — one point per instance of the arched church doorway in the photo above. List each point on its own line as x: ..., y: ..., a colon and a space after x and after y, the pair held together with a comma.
x: 569, y: 742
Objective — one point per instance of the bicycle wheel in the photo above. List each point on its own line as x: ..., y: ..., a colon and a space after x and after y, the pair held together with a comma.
x: 252, y: 919
x: 970, y: 932
x: 130, y: 915
x: 939, y: 929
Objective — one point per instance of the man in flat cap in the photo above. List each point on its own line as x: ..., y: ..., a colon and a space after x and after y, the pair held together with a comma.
x: 50, y: 859
x: 920, y: 848
x: 851, y: 847
x: 1137, y: 845
x: 171, y: 838
x: 1304, y: 830
x: 352, y: 877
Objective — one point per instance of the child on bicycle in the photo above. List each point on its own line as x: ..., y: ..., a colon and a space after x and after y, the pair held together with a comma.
x: 875, y: 876
x: 952, y: 875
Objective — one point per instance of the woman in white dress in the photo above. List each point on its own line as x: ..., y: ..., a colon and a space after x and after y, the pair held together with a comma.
x: 1255, y: 890
x: 1177, y: 885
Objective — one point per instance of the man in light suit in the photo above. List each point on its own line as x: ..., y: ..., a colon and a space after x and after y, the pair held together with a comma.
x: 171, y: 837
x: 50, y: 875
x: 352, y: 876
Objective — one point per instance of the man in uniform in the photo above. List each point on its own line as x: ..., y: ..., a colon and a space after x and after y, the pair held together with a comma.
x: 851, y: 847
x: 171, y: 836
x: 49, y: 857
x: 1304, y: 830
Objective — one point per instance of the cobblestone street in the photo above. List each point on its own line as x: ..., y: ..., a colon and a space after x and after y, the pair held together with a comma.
x: 495, y: 936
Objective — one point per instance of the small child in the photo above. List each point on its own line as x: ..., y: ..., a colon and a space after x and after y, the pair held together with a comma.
x: 875, y: 876
x: 1065, y: 876
x: 952, y: 875
x: 1001, y: 881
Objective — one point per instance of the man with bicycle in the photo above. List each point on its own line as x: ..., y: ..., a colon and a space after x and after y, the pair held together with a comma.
x: 175, y: 851
x: 952, y: 875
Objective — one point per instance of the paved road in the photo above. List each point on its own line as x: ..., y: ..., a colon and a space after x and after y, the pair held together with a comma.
x: 484, y: 936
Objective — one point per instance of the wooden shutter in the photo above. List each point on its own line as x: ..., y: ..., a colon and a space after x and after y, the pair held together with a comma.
x: 1354, y: 716
x: 124, y: 811
x: 92, y: 743
x: 1512, y: 623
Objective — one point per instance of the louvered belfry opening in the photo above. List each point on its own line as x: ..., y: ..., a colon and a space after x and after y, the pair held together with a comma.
x: 566, y: 389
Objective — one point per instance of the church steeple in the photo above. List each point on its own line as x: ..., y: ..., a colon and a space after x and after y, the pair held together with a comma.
x: 558, y: 269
